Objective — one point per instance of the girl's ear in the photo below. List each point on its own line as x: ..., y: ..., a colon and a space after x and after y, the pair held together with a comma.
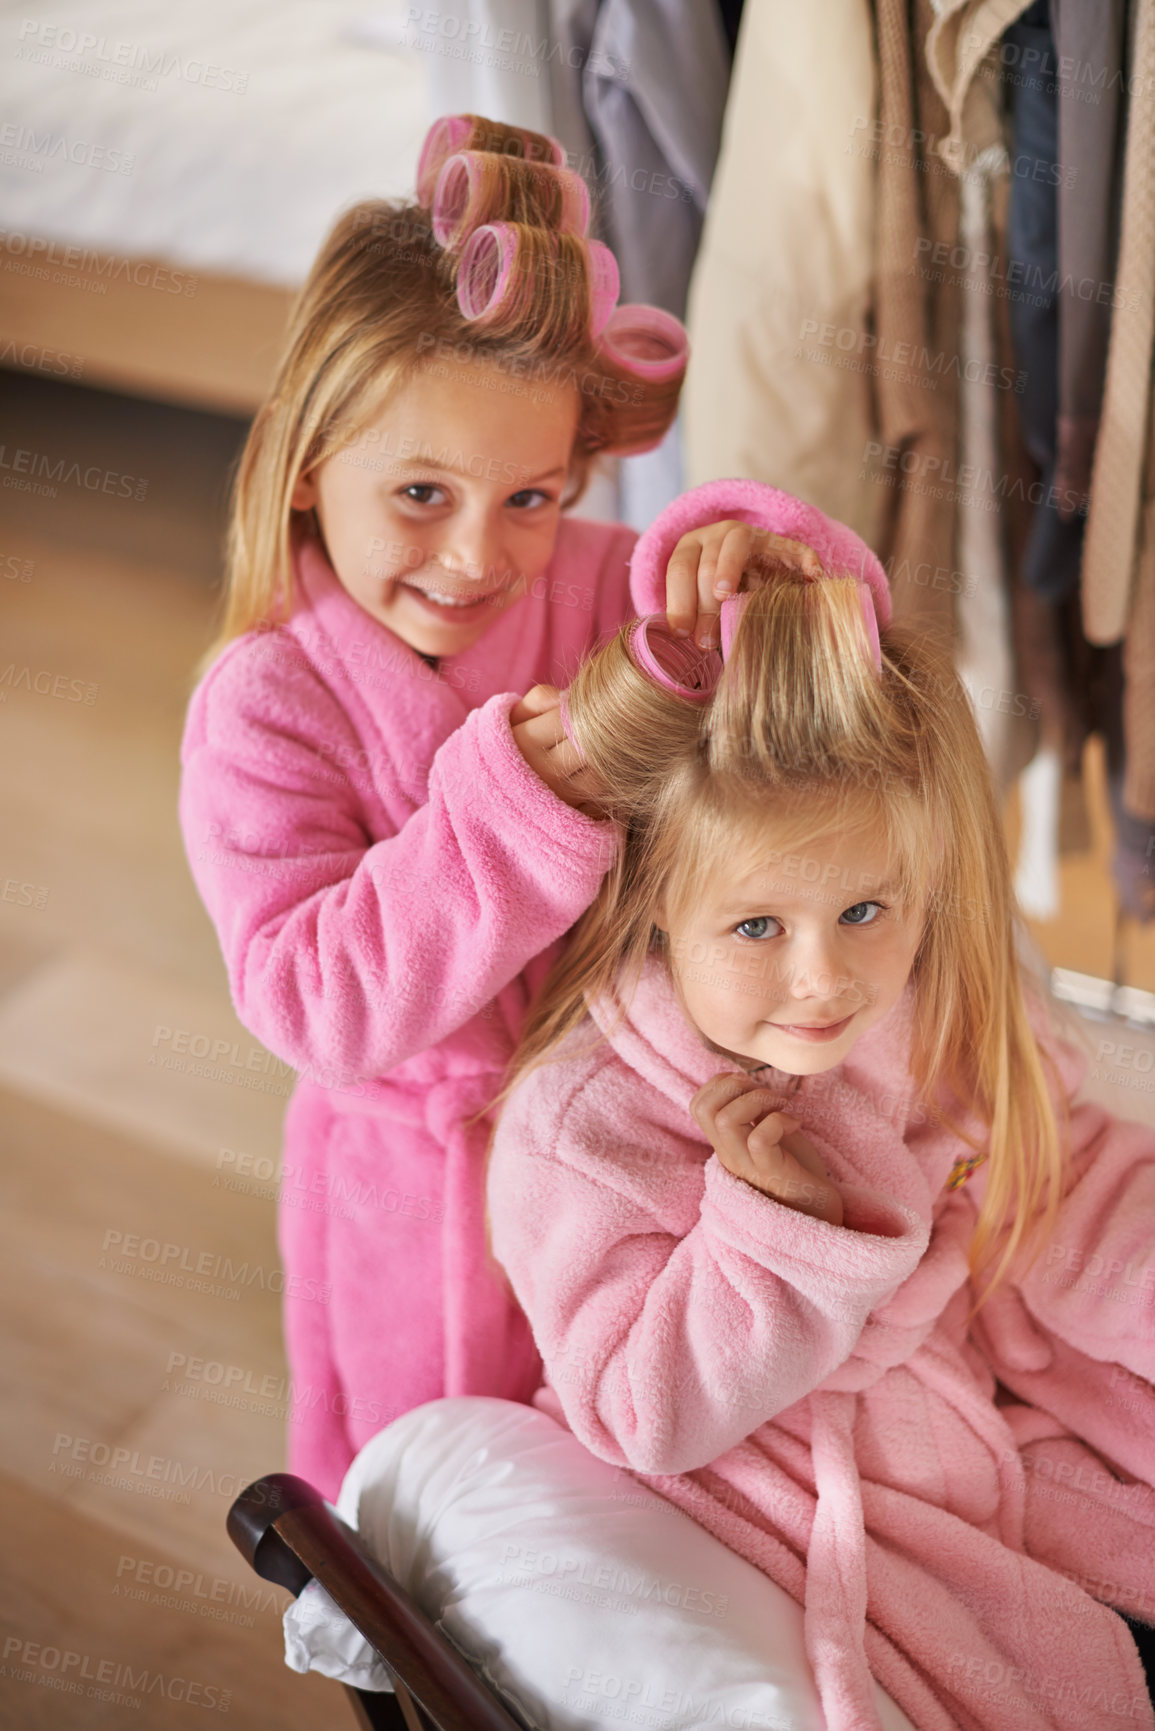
x: 304, y: 494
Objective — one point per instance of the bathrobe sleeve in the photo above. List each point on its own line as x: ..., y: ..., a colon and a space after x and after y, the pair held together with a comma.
x: 1093, y: 1284
x: 348, y: 954
x: 675, y: 1307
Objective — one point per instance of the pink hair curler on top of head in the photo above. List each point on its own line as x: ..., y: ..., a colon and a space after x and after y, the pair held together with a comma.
x: 683, y: 669
x: 485, y: 268
x: 455, y: 197
x: 870, y: 621
x: 731, y: 612
x: 735, y: 605
x: 444, y: 138
x: 605, y: 286
x: 459, y: 198
x: 646, y: 341
x: 487, y: 262
x: 451, y: 133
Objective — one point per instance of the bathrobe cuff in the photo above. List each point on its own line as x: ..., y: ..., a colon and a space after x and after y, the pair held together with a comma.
x: 858, y: 1263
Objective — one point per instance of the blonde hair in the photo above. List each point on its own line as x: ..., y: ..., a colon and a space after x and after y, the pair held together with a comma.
x: 379, y: 304
x: 802, y: 725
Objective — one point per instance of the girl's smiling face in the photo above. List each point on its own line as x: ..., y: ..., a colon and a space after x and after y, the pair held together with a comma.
x: 789, y: 962
x: 446, y: 508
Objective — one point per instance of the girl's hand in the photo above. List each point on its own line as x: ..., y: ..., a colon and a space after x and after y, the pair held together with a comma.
x: 541, y: 740
x: 759, y: 1143
x: 710, y: 563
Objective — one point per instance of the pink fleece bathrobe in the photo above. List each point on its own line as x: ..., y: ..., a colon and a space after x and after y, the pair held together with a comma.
x: 389, y: 880
x: 811, y: 1394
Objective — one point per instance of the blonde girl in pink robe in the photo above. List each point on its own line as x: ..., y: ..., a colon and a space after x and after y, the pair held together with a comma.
x: 795, y: 1187
x: 381, y: 811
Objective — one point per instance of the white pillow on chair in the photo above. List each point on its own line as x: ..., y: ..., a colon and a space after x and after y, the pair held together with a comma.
x: 580, y: 1595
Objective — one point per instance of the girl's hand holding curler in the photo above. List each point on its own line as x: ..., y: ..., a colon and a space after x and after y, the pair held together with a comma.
x: 764, y: 1146
x: 710, y: 563
x: 541, y: 739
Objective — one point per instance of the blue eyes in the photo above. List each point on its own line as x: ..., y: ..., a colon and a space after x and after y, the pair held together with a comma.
x: 861, y: 914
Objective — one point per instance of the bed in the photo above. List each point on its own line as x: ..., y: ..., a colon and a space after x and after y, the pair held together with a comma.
x: 167, y: 172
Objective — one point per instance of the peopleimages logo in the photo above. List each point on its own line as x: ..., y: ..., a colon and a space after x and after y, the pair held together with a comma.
x: 61, y: 1668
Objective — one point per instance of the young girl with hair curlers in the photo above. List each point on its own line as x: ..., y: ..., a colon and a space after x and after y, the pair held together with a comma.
x: 389, y: 838
x: 791, y: 1180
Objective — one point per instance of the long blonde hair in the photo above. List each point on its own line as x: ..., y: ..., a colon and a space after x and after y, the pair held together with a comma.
x: 379, y: 304
x: 803, y: 726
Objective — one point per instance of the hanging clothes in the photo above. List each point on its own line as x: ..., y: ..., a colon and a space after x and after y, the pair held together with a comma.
x: 1089, y: 39
x: 984, y: 657
x: 1116, y: 526
x: 917, y: 310
x: 1055, y: 543
x: 783, y: 277
x: 643, y: 84
x: 639, y: 90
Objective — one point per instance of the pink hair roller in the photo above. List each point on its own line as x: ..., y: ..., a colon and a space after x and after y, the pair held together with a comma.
x: 455, y: 196
x: 680, y: 667
x: 484, y: 270
x: 646, y: 341
x: 575, y: 202
x: 458, y: 198
x: 487, y: 263
x: 675, y: 663
x: 735, y: 605
x: 731, y: 612
x: 870, y: 621
x: 605, y: 286
x: 444, y: 138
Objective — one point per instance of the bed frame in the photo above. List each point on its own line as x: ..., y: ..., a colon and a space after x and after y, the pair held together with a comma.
x: 287, y: 1532
x: 141, y: 326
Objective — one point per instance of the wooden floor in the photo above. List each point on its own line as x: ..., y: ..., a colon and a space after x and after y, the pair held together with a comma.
x: 123, y: 1436
x: 133, y: 1404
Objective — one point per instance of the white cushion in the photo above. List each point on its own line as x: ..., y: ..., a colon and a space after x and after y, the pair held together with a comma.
x: 580, y: 1595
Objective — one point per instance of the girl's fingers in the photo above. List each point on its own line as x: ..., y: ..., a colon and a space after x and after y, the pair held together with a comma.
x: 751, y: 1108
x: 795, y: 553
x: 733, y: 557
x: 682, y: 585
x: 565, y: 759
x: 715, y: 1093
x: 538, y: 701
x: 707, y: 626
x: 545, y: 730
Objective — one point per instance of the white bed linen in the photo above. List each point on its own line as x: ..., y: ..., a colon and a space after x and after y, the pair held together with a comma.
x: 577, y: 1592
x: 265, y: 118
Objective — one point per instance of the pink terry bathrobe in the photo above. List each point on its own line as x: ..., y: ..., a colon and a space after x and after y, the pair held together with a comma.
x: 810, y: 1393
x: 956, y: 1510
x: 389, y: 881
